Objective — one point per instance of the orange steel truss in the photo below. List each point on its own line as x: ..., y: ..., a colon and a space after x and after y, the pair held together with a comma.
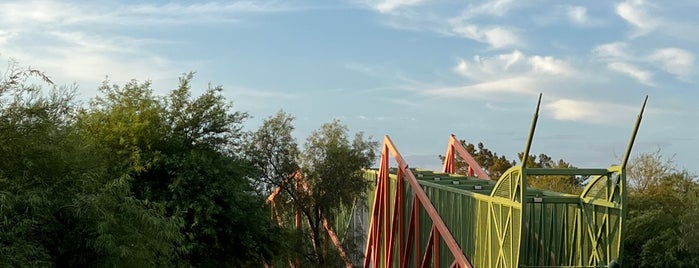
x: 386, y: 231
x: 474, y: 170
x: 300, y: 183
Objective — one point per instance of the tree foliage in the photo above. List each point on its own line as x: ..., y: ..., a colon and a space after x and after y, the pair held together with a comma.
x: 330, y: 177
x: 184, y: 153
x: 494, y: 165
x: 558, y: 183
x: 663, y: 214
x: 133, y: 180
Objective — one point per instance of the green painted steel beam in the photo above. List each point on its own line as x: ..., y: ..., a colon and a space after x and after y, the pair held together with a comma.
x: 567, y: 171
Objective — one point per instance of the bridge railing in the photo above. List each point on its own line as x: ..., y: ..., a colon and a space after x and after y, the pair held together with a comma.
x: 575, y: 231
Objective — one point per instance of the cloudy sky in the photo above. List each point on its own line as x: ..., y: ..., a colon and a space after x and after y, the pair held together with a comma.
x: 417, y: 70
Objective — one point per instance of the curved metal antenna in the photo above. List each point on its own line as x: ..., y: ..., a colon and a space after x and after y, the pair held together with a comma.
x: 633, y: 134
x: 531, y: 133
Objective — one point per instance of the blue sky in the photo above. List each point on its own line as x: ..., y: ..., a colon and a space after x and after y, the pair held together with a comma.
x: 417, y: 70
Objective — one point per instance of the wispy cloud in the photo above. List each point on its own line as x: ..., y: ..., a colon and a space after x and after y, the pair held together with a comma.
x: 78, y: 56
x: 636, y: 13
x: 516, y: 62
x: 495, y: 37
x: 510, y: 73
x: 577, y: 15
x: 612, y: 51
x: 675, y: 61
x: 406, y: 15
x: 84, y: 41
x: 620, y: 57
x: 643, y: 76
x: 61, y: 13
x: 580, y: 16
x: 388, y: 6
x: 490, y: 8
x: 465, y: 25
x: 588, y: 111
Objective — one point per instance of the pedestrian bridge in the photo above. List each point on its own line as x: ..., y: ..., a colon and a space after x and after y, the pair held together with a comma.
x: 421, y: 218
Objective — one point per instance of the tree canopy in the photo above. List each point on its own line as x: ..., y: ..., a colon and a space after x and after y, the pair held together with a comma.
x: 316, y: 180
x: 663, y: 214
x: 132, y: 180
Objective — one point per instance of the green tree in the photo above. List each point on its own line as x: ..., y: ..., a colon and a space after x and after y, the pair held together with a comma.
x: 330, y: 177
x: 183, y: 154
x: 493, y: 164
x: 58, y: 206
x: 558, y: 183
x: 274, y: 152
x: 662, y: 217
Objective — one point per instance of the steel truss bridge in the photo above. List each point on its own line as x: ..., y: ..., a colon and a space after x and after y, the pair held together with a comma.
x: 422, y: 218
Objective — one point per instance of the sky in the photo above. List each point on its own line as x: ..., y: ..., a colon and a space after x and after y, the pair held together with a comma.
x: 417, y: 70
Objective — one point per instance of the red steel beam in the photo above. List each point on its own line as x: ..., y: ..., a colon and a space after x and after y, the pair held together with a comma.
x: 428, y: 251
x: 409, y: 242
x: 450, y: 165
x: 427, y: 205
x: 301, y: 184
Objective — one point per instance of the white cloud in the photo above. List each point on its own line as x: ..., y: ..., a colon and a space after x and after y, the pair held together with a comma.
x: 45, y: 35
x: 515, y: 63
x: 388, y: 6
x: 494, y: 107
x: 588, y: 111
x: 508, y: 73
x: 84, y: 63
x: 643, y: 76
x: 612, y: 51
x: 578, y: 15
x: 402, y: 14
x: 635, y: 12
x: 489, y: 89
x: 674, y: 61
x: 550, y: 65
x: 36, y: 12
x: 52, y: 14
x: 623, y: 59
x: 493, y: 8
x: 496, y: 37
x: 5, y: 36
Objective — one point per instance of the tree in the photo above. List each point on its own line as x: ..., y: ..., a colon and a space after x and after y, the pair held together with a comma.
x: 662, y: 216
x: 558, y: 183
x: 493, y: 164
x: 58, y: 206
x: 331, y: 176
x: 647, y: 170
x: 274, y: 152
x: 183, y: 154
